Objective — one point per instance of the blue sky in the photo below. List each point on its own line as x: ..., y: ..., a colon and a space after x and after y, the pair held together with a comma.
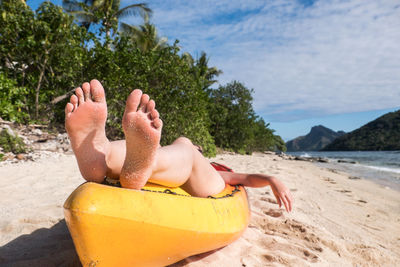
x: 334, y: 63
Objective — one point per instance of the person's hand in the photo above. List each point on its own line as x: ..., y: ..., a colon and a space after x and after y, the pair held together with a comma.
x: 282, y: 194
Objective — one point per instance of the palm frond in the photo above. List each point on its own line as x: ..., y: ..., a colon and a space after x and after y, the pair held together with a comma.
x: 136, y: 9
x: 84, y: 16
x: 161, y: 43
x: 88, y: 2
x: 115, y: 5
x: 71, y: 5
x: 129, y: 30
x: 202, y: 61
x: 97, y: 4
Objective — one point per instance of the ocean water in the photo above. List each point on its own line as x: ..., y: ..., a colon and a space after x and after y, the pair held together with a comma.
x: 382, y: 167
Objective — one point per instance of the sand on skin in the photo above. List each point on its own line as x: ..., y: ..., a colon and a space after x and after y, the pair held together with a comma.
x: 336, y: 220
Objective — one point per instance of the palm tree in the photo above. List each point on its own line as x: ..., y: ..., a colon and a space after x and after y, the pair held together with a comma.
x: 208, y: 73
x: 200, y: 68
x: 22, y: 1
x: 106, y: 11
x: 144, y: 36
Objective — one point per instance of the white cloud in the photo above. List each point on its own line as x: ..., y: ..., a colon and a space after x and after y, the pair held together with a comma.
x: 329, y: 58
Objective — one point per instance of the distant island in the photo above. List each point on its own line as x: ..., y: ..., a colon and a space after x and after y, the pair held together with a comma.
x: 318, y: 138
x: 380, y: 134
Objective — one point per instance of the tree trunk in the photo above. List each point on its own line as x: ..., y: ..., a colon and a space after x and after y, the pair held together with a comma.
x: 108, y: 33
x: 38, y: 88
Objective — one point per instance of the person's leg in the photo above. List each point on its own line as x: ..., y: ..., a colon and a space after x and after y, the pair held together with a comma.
x: 181, y: 164
x: 177, y: 164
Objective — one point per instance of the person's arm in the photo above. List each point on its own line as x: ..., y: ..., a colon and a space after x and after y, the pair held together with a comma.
x: 281, y: 192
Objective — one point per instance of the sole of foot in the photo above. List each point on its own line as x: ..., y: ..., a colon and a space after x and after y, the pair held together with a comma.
x: 85, y: 119
x: 142, y: 127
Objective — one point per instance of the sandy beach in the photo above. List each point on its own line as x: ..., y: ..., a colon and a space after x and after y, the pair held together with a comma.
x: 336, y: 221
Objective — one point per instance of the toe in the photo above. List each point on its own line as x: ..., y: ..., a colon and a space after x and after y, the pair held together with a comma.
x: 143, y: 102
x: 154, y: 114
x: 133, y: 100
x: 68, y: 108
x: 79, y: 94
x: 97, y: 91
x: 150, y: 106
x: 86, y: 91
x: 157, y: 123
x: 74, y: 101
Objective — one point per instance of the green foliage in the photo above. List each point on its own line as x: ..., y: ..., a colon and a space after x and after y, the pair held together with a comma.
x: 106, y: 12
x: 279, y: 144
x: 231, y: 114
x: 144, y: 36
x: 12, y: 104
x: 11, y: 143
x: 235, y: 125
x: 43, y: 51
x: 380, y: 134
x: 200, y: 69
x: 162, y: 74
x: 45, y: 54
x: 263, y: 138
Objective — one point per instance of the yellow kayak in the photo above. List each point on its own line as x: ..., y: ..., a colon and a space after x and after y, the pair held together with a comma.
x: 155, y: 226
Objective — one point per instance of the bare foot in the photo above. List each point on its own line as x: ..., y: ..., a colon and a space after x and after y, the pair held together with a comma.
x: 85, y: 120
x: 142, y: 128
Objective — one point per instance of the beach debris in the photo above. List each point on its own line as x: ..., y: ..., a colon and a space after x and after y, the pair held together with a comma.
x: 284, y: 156
x: 20, y: 156
x: 38, y: 139
x: 354, y: 178
x: 8, y: 156
x: 8, y: 129
x: 302, y: 158
x: 37, y: 132
x: 333, y: 170
x: 310, y: 159
x: 329, y: 180
x: 346, y: 161
x: 270, y: 153
x: 344, y: 191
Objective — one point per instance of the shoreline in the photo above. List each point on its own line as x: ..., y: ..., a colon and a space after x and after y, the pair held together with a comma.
x: 336, y: 220
x: 358, y: 171
x: 354, y: 163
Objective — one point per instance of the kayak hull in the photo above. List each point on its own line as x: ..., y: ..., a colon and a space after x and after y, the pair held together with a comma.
x: 113, y: 226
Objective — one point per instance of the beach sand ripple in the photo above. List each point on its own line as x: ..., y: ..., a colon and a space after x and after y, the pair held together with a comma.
x: 336, y: 221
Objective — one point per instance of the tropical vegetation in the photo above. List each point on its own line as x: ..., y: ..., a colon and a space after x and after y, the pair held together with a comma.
x: 106, y: 12
x: 377, y: 135
x: 45, y: 53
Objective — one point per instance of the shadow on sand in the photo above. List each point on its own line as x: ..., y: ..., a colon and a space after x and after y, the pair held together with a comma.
x: 53, y: 247
x: 193, y: 258
x: 43, y: 247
